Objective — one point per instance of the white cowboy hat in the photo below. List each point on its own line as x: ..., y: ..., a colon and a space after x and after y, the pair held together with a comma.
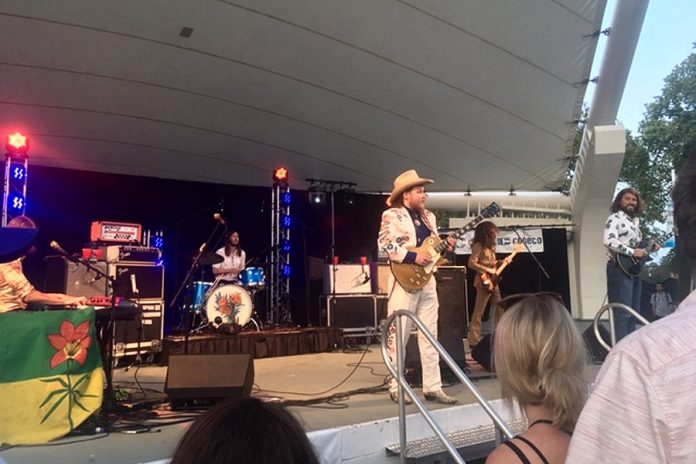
x: 405, y: 181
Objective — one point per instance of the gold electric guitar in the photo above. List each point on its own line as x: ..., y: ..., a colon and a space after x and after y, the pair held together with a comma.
x: 491, y: 281
x: 413, y: 277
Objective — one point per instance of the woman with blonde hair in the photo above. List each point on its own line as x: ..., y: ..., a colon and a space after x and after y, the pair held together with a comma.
x: 540, y: 360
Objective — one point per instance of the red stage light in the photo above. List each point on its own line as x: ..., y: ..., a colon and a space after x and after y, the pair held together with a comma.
x: 280, y: 175
x: 17, y: 143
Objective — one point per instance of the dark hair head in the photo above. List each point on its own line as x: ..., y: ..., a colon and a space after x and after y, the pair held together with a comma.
x: 228, y: 246
x: 246, y: 431
x: 483, y: 234
x: 684, y: 199
x: 616, y: 204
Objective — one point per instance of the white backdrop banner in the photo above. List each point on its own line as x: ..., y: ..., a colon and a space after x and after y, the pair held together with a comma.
x: 534, y: 238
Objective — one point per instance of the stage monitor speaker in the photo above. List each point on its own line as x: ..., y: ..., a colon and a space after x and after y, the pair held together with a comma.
x: 452, y: 296
x: 482, y: 353
x: 597, y: 351
x: 198, y: 380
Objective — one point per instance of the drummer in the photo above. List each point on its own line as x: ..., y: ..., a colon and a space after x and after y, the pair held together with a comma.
x: 234, y: 259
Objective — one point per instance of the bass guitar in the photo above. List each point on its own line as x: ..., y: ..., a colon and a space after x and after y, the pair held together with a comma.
x: 413, y: 277
x: 490, y: 281
x: 631, y: 265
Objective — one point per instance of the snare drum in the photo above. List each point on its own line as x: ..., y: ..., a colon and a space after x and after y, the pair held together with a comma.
x: 198, y: 292
x: 252, y: 277
x: 228, y: 304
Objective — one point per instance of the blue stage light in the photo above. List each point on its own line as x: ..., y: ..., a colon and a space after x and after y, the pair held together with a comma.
x: 286, y: 246
x: 287, y: 221
x: 286, y: 198
x: 18, y: 171
x: 17, y: 202
x: 286, y: 270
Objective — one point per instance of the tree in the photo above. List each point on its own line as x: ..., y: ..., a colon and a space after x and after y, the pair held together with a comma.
x: 665, y: 137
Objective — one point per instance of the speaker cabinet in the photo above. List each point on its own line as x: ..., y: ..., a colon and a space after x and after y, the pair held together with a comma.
x: 452, y: 296
x: 148, y: 279
x: 597, y: 351
x: 143, y: 335
x: 355, y: 311
x: 63, y: 276
x: 482, y: 352
x: 199, y: 380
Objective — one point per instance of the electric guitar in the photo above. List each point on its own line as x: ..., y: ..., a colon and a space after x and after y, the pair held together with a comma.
x: 490, y: 281
x: 413, y: 277
x: 631, y: 265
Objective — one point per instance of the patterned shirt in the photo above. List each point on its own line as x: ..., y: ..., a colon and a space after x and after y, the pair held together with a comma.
x: 14, y: 286
x: 642, y: 409
x: 621, y: 234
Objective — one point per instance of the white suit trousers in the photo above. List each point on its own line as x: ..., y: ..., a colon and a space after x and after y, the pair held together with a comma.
x: 425, y: 305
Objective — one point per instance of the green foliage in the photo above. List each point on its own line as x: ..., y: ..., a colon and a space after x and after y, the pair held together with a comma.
x: 666, y: 135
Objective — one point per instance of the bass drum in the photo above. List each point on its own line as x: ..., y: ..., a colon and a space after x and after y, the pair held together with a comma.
x: 228, y: 304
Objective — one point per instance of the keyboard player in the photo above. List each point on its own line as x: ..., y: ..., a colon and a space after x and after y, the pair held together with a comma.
x: 16, y: 292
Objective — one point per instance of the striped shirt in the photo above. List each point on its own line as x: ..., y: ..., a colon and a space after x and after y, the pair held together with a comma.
x: 643, y: 407
x: 14, y: 286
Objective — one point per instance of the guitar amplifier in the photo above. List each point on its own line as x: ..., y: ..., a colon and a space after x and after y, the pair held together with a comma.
x: 110, y: 231
x: 144, y: 334
x: 147, y: 278
x: 63, y: 276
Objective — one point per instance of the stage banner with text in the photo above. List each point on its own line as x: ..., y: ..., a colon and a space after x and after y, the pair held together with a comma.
x: 507, y: 239
x: 51, y: 376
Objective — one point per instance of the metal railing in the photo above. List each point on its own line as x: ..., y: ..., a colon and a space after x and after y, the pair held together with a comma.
x: 612, y: 328
x: 405, y: 388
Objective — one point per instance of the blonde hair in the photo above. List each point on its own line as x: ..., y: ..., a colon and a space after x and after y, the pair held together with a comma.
x: 540, y: 359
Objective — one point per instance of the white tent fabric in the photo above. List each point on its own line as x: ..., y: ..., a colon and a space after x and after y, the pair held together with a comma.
x: 474, y: 93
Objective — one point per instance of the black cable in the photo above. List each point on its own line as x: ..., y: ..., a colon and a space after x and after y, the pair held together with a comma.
x: 367, y: 346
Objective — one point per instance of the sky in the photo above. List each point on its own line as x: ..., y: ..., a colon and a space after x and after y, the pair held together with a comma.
x: 666, y: 39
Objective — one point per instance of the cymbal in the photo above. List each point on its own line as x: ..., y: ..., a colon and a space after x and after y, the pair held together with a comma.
x: 210, y: 258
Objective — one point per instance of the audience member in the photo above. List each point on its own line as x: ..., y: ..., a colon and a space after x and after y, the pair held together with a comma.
x: 246, y: 431
x: 661, y: 302
x: 643, y: 407
x: 540, y: 359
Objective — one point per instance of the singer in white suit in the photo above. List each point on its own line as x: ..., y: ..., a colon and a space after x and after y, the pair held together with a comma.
x: 407, y: 224
x: 16, y: 292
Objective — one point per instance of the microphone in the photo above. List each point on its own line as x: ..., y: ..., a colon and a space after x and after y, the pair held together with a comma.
x: 134, y: 285
x: 59, y: 248
x: 218, y: 217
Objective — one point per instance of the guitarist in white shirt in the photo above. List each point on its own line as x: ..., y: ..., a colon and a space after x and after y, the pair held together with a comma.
x: 622, y: 235
x: 407, y: 224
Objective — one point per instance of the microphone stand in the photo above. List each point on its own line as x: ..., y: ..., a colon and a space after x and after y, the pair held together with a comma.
x: 536, y: 260
x: 187, y: 280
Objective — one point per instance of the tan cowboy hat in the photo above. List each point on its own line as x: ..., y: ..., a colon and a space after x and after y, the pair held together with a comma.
x: 405, y: 181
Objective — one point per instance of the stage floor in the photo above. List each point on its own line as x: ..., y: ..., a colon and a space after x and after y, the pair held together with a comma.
x: 289, y: 378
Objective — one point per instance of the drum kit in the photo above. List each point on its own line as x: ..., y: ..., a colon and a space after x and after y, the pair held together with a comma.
x: 220, y: 304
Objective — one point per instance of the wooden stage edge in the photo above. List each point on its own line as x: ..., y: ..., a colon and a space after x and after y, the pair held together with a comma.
x: 262, y: 344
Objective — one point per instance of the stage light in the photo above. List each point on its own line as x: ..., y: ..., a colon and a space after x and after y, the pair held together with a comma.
x: 287, y: 270
x: 316, y: 195
x: 286, y: 198
x: 287, y: 221
x: 17, y: 202
x: 17, y: 144
x: 281, y: 175
x: 286, y: 246
x: 348, y: 196
x: 17, y: 171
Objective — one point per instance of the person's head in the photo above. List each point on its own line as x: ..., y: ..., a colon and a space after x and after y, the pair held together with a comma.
x: 22, y: 222
x: 629, y: 201
x: 409, y: 190
x: 232, y: 243
x: 683, y: 198
x: 540, y: 358
x: 659, y: 287
x: 486, y: 234
x: 246, y: 431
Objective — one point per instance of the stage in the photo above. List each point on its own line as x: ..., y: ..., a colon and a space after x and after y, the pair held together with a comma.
x: 291, y: 379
